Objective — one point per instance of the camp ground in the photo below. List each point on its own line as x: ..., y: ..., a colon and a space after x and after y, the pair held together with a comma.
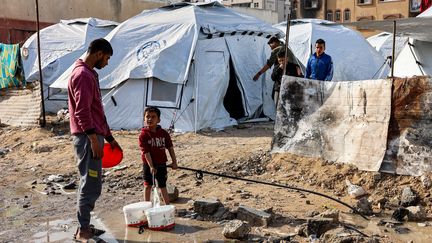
x: 189, y: 61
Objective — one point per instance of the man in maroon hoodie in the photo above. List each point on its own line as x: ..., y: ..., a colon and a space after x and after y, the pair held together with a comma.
x: 89, y: 128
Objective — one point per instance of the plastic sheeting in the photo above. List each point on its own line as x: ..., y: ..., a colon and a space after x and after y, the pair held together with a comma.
x: 383, y: 43
x: 353, y: 57
x: 344, y: 122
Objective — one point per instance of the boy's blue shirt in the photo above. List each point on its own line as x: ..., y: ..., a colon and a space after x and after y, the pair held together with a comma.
x: 319, y: 68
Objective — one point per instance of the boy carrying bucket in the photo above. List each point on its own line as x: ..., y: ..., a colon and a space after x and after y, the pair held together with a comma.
x: 153, y: 141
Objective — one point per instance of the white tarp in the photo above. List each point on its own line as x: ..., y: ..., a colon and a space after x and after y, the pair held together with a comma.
x: 345, y: 122
x: 353, y: 58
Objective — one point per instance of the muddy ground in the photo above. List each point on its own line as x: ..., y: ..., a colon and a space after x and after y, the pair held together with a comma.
x: 28, y: 156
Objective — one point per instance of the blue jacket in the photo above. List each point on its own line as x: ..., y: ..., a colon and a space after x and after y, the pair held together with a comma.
x: 319, y: 68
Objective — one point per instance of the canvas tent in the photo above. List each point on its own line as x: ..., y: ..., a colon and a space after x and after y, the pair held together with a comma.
x: 353, y: 57
x: 196, y: 61
x: 61, y: 44
x: 383, y: 43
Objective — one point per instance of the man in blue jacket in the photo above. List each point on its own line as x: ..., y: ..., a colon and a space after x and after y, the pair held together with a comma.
x: 320, y: 65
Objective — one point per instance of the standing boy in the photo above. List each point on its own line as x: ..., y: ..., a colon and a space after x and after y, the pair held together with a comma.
x: 153, y: 141
x: 89, y: 129
x: 319, y: 65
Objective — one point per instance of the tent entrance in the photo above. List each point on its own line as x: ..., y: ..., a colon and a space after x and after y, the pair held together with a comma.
x: 233, y: 101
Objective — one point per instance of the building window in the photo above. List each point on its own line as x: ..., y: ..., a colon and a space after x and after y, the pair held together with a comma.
x: 329, y: 15
x: 347, y: 15
x: 364, y: 2
x: 337, y: 15
x: 256, y: 5
x: 311, y: 4
x: 415, y: 6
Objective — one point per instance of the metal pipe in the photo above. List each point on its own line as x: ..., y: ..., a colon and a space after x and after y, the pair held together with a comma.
x: 43, y: 122
x: 393, y: 49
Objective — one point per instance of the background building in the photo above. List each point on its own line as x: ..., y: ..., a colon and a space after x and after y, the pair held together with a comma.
x: 18, y: 17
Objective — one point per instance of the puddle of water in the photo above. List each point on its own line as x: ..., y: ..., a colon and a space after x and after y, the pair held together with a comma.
x: 185, y: 230
x: 370, y: 227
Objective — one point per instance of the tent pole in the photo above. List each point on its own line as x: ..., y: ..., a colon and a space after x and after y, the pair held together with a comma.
x: 43, y: 122
x: 287, y: 32
x: 393, y: 49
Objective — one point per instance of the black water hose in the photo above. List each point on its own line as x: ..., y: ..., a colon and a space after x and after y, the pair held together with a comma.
x: 199, y: 175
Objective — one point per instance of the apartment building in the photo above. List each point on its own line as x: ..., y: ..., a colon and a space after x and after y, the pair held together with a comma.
x: 358, y: 10
x: 18, y: 17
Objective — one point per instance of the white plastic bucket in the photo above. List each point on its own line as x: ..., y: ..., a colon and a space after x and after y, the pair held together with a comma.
x: 161, y: 218
x: 135, y: 213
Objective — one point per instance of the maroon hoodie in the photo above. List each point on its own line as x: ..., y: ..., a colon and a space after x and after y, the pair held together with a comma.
x: 85, y: 102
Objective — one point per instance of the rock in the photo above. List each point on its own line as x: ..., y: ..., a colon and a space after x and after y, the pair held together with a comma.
x: 4, y: 151
x: 399, y: 214
x: 311, y: 214
x: 402, y: 230
x: 416, y: 213
x: 55, y: 178
x: 330, y: 213
x: 236, y: 229
x: 393, y: 202
x: 426, y: 181
x: 70, y: 186
x: 354, y: 190
x: 42, y: 149
x: 173, y: 192
x: 376, y: 176
x: 206, y: 206
x: 409, y: 197
x: 253, y: 216
x: 223, y: 213
x: 318, y: 226
x: 342, y: 235
x: 364, y: 206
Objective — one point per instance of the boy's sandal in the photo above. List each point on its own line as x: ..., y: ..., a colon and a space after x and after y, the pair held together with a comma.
x: 96, y: 231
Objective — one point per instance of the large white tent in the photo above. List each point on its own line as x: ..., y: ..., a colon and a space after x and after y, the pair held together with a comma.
x: 196, y: 61
x: 415, y: 58
x: 383, y: 43
x: 353, y: 58
x: 61, y: 44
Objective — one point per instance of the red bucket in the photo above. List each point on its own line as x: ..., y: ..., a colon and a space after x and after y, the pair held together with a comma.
x: 111, y: 157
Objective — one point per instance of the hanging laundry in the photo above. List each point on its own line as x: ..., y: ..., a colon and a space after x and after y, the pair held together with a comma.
x: 425, y: 4
x: 11, y: 72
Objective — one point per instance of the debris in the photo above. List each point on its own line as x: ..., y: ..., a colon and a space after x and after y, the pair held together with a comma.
x: 318, y: 226
x: 70, y: 186
x: 236, y: 229
x: 173, y: 192
x: 364, y: 206
x: 409, y: 197
x: 400, y: 213
x: 354, y: 190
x: 206, y: 206
x: 55, y: 178
x: 4, y: 151
x: 416, y: 213
x: 330, y: 213
x: 426, y: 181
x: 402, y: 230
x: 253, y: 216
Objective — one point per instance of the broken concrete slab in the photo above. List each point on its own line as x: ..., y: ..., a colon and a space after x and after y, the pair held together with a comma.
x: 236, y: 229
x: 206, y: 206
x: 330, y: 213
x: 253, y: 216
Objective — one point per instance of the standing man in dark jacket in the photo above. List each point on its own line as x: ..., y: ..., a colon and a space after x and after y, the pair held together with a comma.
x: 319, y: 65
x: 89, y: 128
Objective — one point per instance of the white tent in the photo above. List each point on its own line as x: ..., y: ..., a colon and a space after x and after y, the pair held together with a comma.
x: 61, y: 44
x: 196, y: 61
x: 415, y: 57
x: 353, y: 58
x: 383, y: 43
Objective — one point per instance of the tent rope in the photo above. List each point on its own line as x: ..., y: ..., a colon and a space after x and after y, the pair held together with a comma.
x: 415, y: 58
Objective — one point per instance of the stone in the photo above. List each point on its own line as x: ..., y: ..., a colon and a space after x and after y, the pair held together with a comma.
x: 311, y: 213
x: 400, y: 213
x: 330, y: 213
x: 376, y: 176
x: 206, y: 206
x: 236, y: 229
x: 364, y: 206
x: 253, y: 216
x: 416, y: 213
x: 394, y: 202
x: 173, y: 192
x: 426, y: 181
x: 409, y: 197
x: 318, y: 226
x: 402, y: 230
